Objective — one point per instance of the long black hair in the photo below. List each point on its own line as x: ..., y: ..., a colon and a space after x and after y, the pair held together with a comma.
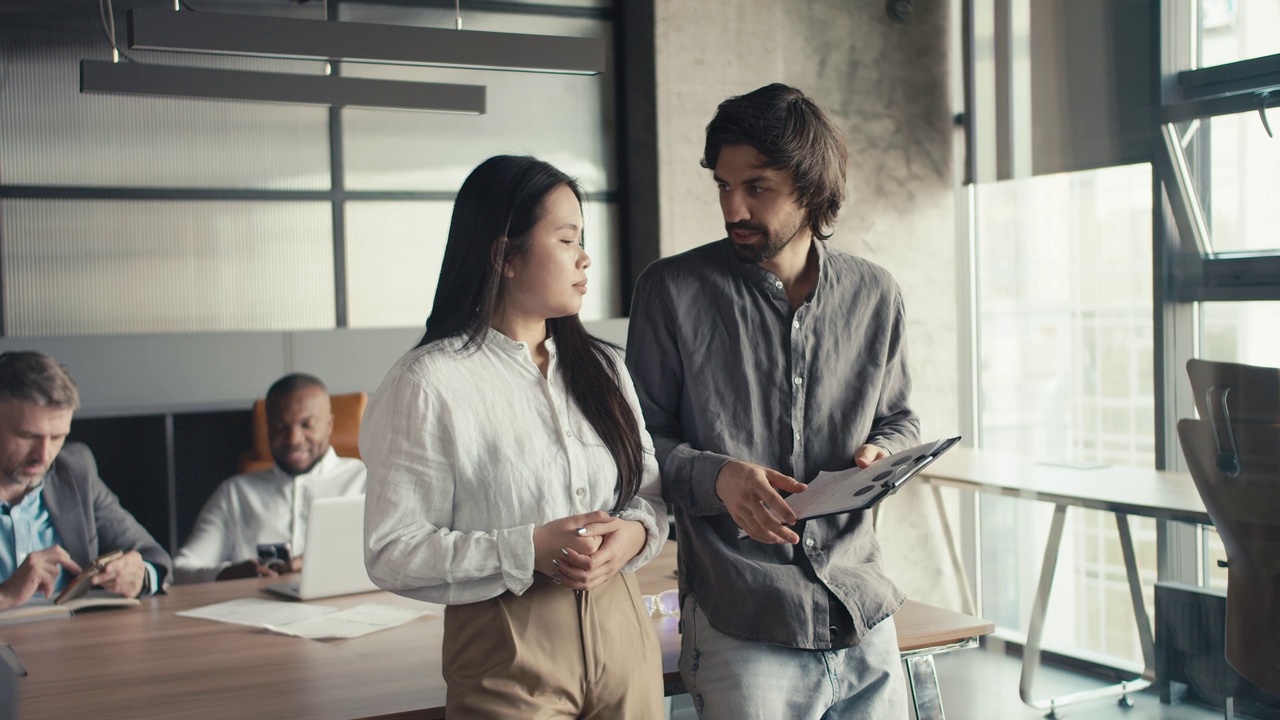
x: 498, y: 204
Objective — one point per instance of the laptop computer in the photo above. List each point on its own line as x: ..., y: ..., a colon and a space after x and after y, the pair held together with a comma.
x: 334, y: 560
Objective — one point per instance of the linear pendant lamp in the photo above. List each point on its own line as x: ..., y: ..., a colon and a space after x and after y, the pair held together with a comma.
x: 101, y: 76
x: 226, y: 33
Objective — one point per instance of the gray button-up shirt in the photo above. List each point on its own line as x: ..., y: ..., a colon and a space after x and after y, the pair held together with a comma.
x: 725, y: 370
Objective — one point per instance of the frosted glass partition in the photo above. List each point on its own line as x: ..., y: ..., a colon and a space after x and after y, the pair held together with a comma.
x: 566, y: 120
x: 393, y: 260
x: 394, y: 251
x: 54, y: 135
x: 84, y: 267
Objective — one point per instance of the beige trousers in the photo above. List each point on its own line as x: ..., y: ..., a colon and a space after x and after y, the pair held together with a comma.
x: 554, y: 653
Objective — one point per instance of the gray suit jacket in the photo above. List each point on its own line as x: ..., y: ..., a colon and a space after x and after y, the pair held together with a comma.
x: 89, y: 517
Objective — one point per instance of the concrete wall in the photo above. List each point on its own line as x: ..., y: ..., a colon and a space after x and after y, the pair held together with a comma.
x: 887, y: 86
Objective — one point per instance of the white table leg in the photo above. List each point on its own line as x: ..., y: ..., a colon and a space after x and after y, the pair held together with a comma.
x: 1035, y: 634
x: 957, y: 564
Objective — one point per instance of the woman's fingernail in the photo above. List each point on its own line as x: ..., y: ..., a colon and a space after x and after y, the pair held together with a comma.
x: 555, y: 562
x: 582, y: 532
x: 564, y: 552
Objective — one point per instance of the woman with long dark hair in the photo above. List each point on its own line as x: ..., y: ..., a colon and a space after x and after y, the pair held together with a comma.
x: 510, y: 475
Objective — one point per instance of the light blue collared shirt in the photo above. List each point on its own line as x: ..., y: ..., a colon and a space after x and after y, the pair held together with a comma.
x: 24, y: 529
x: 28, y: 527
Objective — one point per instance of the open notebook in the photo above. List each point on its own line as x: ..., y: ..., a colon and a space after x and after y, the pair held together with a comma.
x: 334, y: 560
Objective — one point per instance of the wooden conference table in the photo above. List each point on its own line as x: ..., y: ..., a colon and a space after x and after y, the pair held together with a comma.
x: 1123, y: 491
x: 148, y: 662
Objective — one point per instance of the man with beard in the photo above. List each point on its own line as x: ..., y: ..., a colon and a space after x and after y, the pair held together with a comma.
x: 56, y: 515
x: 760, y: 360
x: 271, y: 506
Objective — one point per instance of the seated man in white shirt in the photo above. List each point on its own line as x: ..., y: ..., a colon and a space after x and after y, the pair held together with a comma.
x: 270, y: 506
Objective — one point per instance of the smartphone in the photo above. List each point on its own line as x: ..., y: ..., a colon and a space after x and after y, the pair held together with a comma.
x: 82, y: 583
x: 273, y: 553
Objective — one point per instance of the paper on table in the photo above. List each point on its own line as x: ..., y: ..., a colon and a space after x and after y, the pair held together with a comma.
x: 306, y: 620
x: 258, y: 613
x: 352, y: 622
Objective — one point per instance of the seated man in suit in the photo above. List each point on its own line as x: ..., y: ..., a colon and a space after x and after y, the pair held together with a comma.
x: 270, y: 506
x: 56, y: 515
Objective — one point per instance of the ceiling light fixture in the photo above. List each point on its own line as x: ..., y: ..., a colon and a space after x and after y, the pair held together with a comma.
x: 263, y: 36
x: 100, y: 76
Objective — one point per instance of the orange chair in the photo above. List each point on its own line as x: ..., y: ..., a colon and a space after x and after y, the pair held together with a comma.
x: 348, y: 408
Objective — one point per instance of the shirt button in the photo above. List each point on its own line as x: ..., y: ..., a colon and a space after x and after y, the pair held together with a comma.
x: 799, y: 380
x: 519, y: 346
x: 834, y: 631
x: 808, y: 542
x: 581, y: 491
x: 777, y: 284
x: 797, y: 436
x: 795, y: 324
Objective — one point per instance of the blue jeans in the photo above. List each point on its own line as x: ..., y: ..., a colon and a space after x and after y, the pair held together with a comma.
x: 733, y: 679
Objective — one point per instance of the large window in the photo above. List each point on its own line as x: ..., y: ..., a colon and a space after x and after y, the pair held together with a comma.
x: 1065, y: 343
x: 1235, y: 168
x: 1092, y: 290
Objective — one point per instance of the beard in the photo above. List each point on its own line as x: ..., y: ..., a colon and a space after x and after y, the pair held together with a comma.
x: 770, y: 244
x: 17, y: 476
x: 296, y: 471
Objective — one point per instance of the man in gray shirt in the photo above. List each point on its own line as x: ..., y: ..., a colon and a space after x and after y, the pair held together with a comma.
x: 760, y: 360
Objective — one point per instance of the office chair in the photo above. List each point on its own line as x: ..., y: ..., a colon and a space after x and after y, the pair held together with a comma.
x: 348, y: 409
x: 1233, y: 453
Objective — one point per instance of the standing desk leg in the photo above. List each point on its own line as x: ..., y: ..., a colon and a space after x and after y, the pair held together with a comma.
x: 957, y: 565
x: 1035, y: 634
x: 1139, y: 606
x: 923, y: 680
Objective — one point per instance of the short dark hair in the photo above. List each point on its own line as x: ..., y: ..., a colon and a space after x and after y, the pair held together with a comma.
x: 36, y: 378
x: 289, y: 384
x: 793, y: 134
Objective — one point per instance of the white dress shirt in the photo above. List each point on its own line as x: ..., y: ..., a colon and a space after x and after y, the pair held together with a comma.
x: 468, y: 452
x: 267, y: 506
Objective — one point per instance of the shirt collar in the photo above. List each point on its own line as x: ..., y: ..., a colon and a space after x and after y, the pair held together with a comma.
x: 515, y: 348
x: 29, y: 501
x: 767, y: 281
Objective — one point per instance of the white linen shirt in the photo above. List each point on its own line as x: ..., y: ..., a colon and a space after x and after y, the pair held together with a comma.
x: 267, y: 506
x: 468, y: 452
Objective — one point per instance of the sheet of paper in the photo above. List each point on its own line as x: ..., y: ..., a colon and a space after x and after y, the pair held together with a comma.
x: 822, y: 491
x: 352, y: 622
x: 258, y: 613
x: 856, y: 488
